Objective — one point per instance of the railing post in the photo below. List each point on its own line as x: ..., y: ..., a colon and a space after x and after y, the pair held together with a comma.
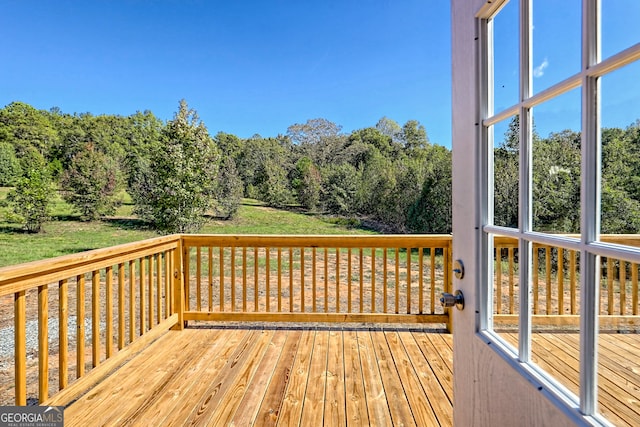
x: 178, y: 286
x: 448, y: 284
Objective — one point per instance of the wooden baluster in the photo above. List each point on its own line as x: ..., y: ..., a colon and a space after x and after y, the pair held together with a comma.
x: 499, y: 280
x: 210, y: 276
x: 43, y: 343
x: 326, y: 280
x: 573, y: 281
x: 221, y: 264
x: 132, y: 301
x: 397, y: 280
x: 121, y: 321
x: 244, y: 279
x: 512, y: 303
x: 199, y: 278
x: 150, y: 285
x: 432, y: 296
x: 634, y: 289
x: 80, y: 326
x: 167, y: 284
x: 420, y: 281
x: 279, y: 280
x: 408, y: 280
x: 291, y: 280
x: 622, y: 280
x: 373, y: 280
x: 535, y: 278
x: 337, y: 280
x: 233, y: 278
x: 610, y: 301
x: 143, y: 304
x: 158, y: 288
x: 95, y: 318
x: 361, y: 266
x: 313, y: 279
x: 560, y: 281
x: 187, y: 275
x: 20, y: 338
x: 267, y: 279
x: 109, y: 308
x: 302, y: 274
x: 349, y: 281
x: 63, y: 322
x: 255, y: 279
x: 384, y: 279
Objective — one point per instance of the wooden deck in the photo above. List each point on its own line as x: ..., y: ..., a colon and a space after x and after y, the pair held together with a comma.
x: 306, y: 376
x: 618, y: 369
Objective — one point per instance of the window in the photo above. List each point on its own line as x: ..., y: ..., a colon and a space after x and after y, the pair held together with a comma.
x: 560, y: 127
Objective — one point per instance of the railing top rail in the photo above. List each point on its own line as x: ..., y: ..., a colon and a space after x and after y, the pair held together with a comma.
x: 321, y: 241
x: 23, y: 276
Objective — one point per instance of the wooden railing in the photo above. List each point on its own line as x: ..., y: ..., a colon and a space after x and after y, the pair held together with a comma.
x: 126, y: 296
x: 556, y: 285
x: 123, y: 297
x: 316, y: 278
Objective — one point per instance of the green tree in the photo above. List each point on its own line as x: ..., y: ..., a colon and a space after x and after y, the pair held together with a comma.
x: 229, y: 190
x: 32, y: 194
x: 339, y: 188
x: 9, y: 165
x: 182, y: 179
x: 414, y: 136
x: 91, y: 183
x: 307, y: 183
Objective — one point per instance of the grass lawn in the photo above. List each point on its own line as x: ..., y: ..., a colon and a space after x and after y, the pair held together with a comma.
x: 65, y: 234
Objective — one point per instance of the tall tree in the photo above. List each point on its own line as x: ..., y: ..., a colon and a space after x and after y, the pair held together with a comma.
x: 182, y: 178
x: 90, y: 184
x: 32, y: 194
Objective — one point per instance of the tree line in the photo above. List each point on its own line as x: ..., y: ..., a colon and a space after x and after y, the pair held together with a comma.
x: 388, y: 175
x: 177, y: 174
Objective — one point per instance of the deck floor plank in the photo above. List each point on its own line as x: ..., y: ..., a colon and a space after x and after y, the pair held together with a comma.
x: 254, y: 396
x: 401, y: 414
x: 110, y: 403
x: 440, y: 360
x: 314, y: 401
x: 418, y: 401
x: 377, y: 404
x: 157, y: 407
x: 225, y: 399
x: 276, y: 391
x: 291, y: 409
x: 356, y: 403
x: 337, y: 375
x: 334, y: 409
x: 199, y: 384
x: 428, y: 379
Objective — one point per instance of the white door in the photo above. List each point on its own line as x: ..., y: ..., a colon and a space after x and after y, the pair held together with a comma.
x: 500, y: 82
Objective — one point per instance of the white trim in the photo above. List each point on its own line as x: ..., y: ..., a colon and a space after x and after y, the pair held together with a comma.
x: 590, y: 210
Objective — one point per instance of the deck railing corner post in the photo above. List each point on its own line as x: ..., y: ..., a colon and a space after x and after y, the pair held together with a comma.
x: 178, y: 285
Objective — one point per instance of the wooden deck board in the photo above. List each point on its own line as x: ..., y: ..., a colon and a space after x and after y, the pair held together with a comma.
x: 267, y: 376
x: 337, y: 375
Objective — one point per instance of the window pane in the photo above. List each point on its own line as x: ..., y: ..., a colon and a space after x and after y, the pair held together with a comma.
x: 506, y: 60
x: 618, y: 342
x: 620, y: 193
x: 556, y: 164
x: 620, y: 28
x: 506, y: 288
x: 505, y: 172
x: 556, y: 41
x: 555, y: 301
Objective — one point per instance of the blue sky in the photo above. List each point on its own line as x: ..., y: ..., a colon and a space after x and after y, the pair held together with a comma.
x: 246, y: 66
